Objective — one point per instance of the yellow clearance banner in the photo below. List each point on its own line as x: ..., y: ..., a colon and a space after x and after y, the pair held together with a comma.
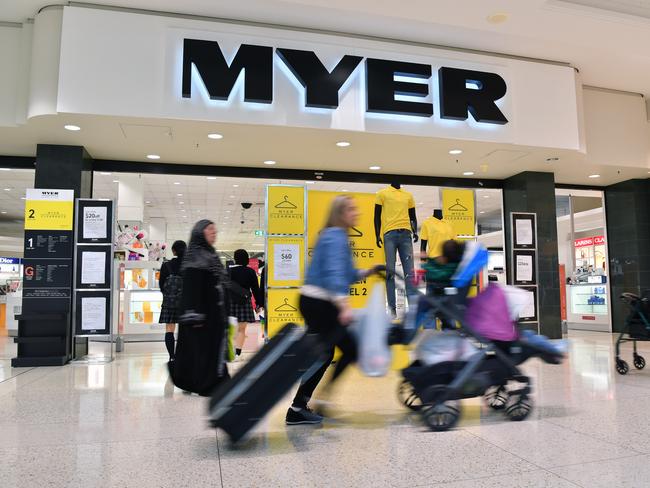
x: 282, y: 308
x: 362, y: 237
x: 458, y: 209
x: 286, y: 261
x: 49, y: 209
x: 285, y: 209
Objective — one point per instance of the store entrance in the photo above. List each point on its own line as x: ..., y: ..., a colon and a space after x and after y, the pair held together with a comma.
x: 169, y: 205
x: 582, y: 255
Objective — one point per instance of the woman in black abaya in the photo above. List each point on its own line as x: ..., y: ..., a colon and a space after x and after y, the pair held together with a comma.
x: 199, y: 365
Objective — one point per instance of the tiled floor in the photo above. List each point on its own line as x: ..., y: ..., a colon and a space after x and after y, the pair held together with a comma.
x: 123, y: 424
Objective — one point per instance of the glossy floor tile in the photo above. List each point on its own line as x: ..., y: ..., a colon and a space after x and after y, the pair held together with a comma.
x: 123, y: 424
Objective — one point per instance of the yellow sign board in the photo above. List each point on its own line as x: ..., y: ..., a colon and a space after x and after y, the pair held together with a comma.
x: 286, y: 261
x: 458, y: 209
x: 49, y: 209
x: 285, y: 210
x: 282, y: 308
x: 362, y: 237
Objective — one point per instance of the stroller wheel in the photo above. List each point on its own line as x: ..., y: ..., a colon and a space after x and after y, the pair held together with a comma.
x: 496, y: 397
x: 442, y: 416
x: 639, y: 362
x: 518, y: 407
x: 407, y: 395
x: 622, y: 367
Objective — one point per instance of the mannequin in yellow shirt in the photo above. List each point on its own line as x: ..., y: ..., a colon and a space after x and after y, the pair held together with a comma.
x: 433, y: 234
x: 396, y: 228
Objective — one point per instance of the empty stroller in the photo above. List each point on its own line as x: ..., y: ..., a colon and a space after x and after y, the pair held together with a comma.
x: 637, y: 328
x: 459, y: 364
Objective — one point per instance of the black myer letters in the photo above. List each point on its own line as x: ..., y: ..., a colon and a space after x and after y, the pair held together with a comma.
x: 322, y: 87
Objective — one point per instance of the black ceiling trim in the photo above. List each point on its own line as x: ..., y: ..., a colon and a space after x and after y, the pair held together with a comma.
x: 18, y: 162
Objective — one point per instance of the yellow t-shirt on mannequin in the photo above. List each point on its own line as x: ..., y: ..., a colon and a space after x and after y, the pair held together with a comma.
x: 395, y: 208
x: 436, y: 233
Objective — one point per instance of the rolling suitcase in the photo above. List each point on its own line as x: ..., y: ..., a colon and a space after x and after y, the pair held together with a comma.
x: 243, y: 401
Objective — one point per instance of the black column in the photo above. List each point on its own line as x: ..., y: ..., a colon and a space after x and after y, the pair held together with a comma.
x: 64, y: 168
x: 45, y: 330
x: 535, y: 192
x: 627, y: 207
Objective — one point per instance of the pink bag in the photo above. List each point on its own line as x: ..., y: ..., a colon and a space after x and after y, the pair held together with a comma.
x: 488, y: 315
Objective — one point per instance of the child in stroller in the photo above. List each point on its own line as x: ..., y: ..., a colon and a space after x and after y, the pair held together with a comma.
x: 464, y: 363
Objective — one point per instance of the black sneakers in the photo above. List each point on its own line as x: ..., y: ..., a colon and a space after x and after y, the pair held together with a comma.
x: 302, y: 416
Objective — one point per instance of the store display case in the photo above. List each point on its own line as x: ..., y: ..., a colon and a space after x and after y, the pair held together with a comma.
x: 140, y: 298
x: 589, y: 304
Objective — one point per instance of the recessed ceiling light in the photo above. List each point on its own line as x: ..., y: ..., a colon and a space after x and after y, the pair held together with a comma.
x: 468, y: 173
x: 179, y: 194
x: 594, y: 176
x: 345, y: 190
x: 73, y: 128
x: 116, y: 181
x: 4, y: 212
x: 343, y: 144
x: 153, y: 156
x: 105, y: 173
x: 227, y: 211
x: 9, y: 169
x: 177, y: 182
x: 235, y: 186
x: 23, y: 198
x: 269, y: 162
x: 212, y: 177
x: 232, y: 196
x: 482, y: 211
x: 7, y: 189
x: 181, y: 203
x: 147, y: 201
x: 375, y: 168
x: 486, y: 196
x: 313, y: 182
x: 454, y: 152
x: 214, y: 135
x: 497, y: 18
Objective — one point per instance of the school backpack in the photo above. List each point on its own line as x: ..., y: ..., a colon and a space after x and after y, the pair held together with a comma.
x: 173, y: 291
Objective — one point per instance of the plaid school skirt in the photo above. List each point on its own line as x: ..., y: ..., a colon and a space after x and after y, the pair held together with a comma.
x: 168, y: 315
x: 243, y: 312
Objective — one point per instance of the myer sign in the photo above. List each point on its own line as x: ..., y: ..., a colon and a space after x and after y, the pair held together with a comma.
x: 391, y: 87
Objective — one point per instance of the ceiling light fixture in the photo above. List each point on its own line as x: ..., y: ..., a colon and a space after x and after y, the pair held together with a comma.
x: 594, y: 176
x: 345, y: 190
x: 116, y: 181
x: 179, y: 194
x: 7, y: 189
x: 105, y: 173
x: 269, y: 162
x: 177, y: 182
x: 153, y: 156
x: 214, y: 135
x: 343, y: 144
x: 313, y: 182
x: 147, y: 201
x: 468, y: 173
x: 374, y: 168
x: 181, y: 203
x: 455, y: 152
x: 212, y: 177
x: 4, y: 212
x: 235, y: 186
x: 72, y: 128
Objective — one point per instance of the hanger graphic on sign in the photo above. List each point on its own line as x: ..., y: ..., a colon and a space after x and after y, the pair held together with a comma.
x: 286, y: 203
x: 458, y: 207
x: 354, y: 232
x: 286, y: 307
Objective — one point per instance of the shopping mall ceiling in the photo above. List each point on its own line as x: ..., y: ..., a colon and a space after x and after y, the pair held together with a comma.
x: 606, y: 40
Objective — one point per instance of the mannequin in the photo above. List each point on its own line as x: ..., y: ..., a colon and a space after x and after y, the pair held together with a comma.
x: 395, y: 225
x: 435, y: 231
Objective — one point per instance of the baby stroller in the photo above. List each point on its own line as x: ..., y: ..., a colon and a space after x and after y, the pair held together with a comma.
x: 637, y: 328
x: 479, y: 367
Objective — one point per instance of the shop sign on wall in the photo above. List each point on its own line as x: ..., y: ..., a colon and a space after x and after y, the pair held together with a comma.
x: 458, y: 209
x: 286, y: 210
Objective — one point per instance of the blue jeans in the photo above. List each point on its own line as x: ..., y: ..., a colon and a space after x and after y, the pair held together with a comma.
x: 398, y: 241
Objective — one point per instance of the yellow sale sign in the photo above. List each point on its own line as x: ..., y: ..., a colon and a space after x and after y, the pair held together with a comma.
x: 49, y: 209
x: 458, y: 209
x: 282, y: 308
x: 362, y: 237
x: 285, y: 210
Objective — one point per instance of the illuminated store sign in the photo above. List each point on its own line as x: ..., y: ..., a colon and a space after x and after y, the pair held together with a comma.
x: 391, y: 87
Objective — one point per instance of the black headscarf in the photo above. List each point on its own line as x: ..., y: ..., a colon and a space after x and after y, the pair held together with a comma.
x: 200, y: 254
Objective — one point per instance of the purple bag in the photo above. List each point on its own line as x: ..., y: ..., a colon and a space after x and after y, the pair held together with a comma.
x: 488, y: 315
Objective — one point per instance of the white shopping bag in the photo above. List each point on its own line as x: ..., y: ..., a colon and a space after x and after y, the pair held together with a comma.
x: 372, y: 327
x: 519, y: 301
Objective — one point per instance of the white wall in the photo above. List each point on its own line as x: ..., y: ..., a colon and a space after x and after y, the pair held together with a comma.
x: 617, y: 128
x: 10, y: 71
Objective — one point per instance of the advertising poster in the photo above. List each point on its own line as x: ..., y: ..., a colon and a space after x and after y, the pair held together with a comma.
x: 282, y: 308
x: 362, y: 237
x: 524, y: 267
x: 95, y: 225
x: 285, y: 210
x: 49, y: 209
x: 458, y: 209
x: 286, y: 262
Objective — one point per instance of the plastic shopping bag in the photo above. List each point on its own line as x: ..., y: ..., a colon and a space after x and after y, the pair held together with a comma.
x: 232, y: 331
x: 438, y: 347
x: 519, y: 301
x: 372, y: 329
